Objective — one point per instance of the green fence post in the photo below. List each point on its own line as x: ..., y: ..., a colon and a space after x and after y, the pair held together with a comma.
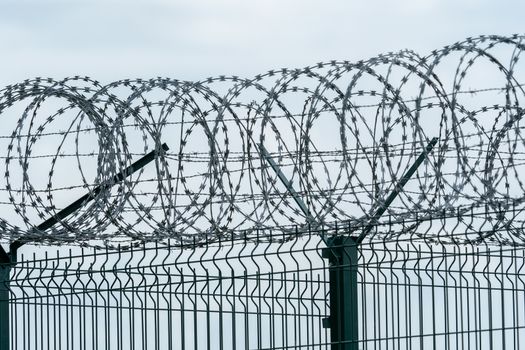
x: 342, y: 254
x: 5, y: 269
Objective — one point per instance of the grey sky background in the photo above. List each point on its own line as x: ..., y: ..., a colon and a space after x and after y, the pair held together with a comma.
x: 191, y: 40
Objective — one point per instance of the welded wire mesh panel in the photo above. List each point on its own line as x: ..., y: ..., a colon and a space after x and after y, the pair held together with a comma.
x: 294, y: 295
x: 223, y: 296
x: 441, y: 297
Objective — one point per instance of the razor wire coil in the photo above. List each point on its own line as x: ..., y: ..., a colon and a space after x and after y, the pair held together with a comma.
x: 343, y: 133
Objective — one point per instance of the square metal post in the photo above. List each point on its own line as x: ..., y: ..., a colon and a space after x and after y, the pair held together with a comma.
x: 342, y: 254
x: 5, y: 269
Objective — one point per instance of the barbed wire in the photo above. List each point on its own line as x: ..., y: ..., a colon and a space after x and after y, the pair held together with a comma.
x: 342, y: 133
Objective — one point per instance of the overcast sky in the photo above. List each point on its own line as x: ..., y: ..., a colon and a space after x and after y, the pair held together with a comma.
x: 191, y: 40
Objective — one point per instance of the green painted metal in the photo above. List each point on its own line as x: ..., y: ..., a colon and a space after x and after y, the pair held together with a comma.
x: 4, y: 307
x: 342, y: 254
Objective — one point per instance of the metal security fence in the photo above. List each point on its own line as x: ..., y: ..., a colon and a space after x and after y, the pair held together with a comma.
x: 217, y: 207
x: 309, y: 292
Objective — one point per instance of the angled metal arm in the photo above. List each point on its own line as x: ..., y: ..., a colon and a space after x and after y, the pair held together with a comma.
x: 397, y: 190
x: 287, y: 184
x: 88, y: 197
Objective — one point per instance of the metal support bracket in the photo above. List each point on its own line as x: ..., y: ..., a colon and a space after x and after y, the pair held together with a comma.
x: 342, y: 254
